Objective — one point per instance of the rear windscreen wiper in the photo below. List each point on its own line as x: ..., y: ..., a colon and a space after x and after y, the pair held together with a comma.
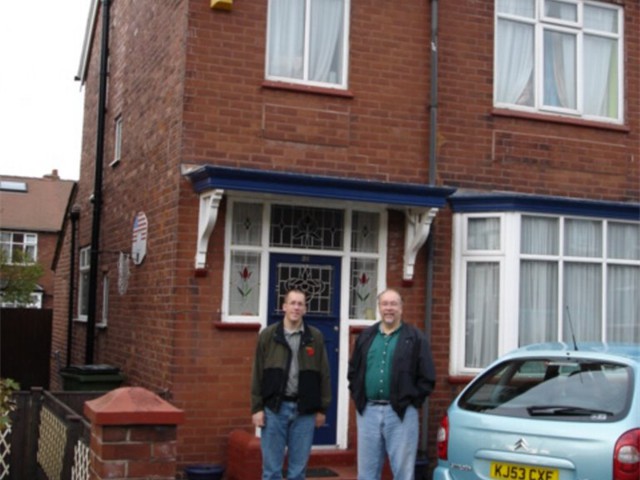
x: 564, y: 410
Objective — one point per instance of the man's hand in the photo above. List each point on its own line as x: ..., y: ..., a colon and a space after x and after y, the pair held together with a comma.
x: 320, y: 419
x: 258, y: 419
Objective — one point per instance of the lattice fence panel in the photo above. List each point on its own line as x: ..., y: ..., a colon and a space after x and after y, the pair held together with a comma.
x: 5, y: 452
x: 51, y: 443
x: 80, y: 469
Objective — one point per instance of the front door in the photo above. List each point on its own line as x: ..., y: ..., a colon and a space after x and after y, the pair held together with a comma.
x: 319, y: 278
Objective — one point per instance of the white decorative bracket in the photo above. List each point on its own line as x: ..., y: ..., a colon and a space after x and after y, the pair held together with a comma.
x: 209, y: 204
x: 417, y: 228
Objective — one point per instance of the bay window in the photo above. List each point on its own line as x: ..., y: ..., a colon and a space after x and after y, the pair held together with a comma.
x: 523, y: 278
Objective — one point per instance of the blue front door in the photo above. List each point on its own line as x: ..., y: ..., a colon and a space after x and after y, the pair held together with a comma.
x: 319, y: 278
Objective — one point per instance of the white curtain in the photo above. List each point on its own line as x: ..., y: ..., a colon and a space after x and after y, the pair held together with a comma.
x: 600, y: 77
x: 560, y: 69
x: 482, y: 313
x: 582, y: 302
x: 325, y: 41
x: 538, y: 318
x: 623, y: 304
x: 538, y: 308
x: 623, y: 283
x: 515, y: 54
x: 286, y: 38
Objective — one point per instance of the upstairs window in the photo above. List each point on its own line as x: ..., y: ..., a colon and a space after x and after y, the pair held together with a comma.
x: 19, y: 247
x: 117, y: 141
x: 307, y: 42
x: 560, y: 57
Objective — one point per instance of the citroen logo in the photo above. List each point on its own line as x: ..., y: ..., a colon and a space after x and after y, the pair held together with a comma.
x: 521, y: 444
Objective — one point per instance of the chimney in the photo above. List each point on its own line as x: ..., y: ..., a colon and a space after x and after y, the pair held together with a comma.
x: 53, y: 175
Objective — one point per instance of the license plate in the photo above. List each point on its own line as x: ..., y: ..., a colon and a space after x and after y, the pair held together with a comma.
x: 510, y: 471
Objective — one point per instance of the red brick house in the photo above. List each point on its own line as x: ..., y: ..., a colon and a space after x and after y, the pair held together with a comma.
x: 481, y: 157
x: 32, y: 213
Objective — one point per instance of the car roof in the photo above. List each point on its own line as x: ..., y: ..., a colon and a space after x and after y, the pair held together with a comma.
x: 614, y: 349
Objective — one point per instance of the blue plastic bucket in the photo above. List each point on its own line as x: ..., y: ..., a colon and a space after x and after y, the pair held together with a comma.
x: 204, y: 472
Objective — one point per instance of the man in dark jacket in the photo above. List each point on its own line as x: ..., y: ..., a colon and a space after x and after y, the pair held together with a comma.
x: 391, y: 373
x: 290, y: 390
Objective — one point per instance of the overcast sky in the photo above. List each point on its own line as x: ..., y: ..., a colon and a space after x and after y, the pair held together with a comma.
x: 40, y: 102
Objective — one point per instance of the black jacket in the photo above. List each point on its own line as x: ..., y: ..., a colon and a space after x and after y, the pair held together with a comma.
x: 271, y: 371
x: 413, y: 375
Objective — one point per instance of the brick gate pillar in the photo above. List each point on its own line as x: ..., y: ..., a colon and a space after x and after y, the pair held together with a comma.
x: 133, y: 435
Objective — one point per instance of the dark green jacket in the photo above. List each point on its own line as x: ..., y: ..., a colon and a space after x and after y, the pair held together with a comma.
x: 271, y: 370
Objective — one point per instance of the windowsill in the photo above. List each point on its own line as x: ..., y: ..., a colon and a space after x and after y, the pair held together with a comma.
x: 294, y: 87
x: 254, y: 326
x: 459, y: 379
x: 115, y: 163
x: 542, y: 117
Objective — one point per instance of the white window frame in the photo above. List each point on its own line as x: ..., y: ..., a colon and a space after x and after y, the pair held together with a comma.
x: 541, y: 24
x: 84, y: 267
x: 509, y: 258
x: 30, y: 240
x: 104, y: 317
x: 343, y: 83
x: 117, y: 141
x: 36, y: 302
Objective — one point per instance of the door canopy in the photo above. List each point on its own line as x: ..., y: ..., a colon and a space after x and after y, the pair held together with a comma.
x: 420, y: 203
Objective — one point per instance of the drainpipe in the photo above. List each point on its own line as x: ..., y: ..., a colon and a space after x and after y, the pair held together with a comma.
x: 433, y: 132
x: 97, y: 188
x: 74, y: 216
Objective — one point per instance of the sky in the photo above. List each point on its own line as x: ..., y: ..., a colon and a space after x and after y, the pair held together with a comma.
x: 40, y: 102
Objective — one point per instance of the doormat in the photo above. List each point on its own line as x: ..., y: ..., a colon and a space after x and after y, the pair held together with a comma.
x: 319, y: 472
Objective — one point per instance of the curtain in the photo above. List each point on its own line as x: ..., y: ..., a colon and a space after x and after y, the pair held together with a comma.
x: 560, y: 69
x: 286, y: 38
x: 600, y: 76
x: 325, y: 41
x: 482, y: 313
x: 538, y: 316
x: 623, y: 304
x: 514, y: 63
x: 582, y: 302
x: 538, y: 308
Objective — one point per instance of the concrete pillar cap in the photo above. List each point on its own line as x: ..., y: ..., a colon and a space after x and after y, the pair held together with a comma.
x: 132, y: 406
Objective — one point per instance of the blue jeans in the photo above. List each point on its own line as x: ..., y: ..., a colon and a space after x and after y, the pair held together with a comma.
x: 382, y: 433
x: 286, y: 429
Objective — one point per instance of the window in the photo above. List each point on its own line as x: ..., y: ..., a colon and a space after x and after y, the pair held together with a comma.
x: 18, y: 247
x: 560, y: 57
x: 307, y: 42
x: 36, y: 302
x: 83, y: 283
x: 522, y: 279
x: 13, y: 186
x: 117, y: 142
x: 105, y: 301
x: 301, y: 228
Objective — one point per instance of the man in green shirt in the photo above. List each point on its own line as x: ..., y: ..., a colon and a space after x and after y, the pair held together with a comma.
x: 391, y: 373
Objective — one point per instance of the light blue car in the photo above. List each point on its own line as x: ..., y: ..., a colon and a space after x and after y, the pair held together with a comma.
x: 547, y: 412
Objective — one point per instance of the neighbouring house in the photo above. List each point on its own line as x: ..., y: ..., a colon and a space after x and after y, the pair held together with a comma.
x: 482, y: 157
x: 32, y: 213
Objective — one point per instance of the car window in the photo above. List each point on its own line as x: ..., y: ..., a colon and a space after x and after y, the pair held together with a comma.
x: 578, y: 390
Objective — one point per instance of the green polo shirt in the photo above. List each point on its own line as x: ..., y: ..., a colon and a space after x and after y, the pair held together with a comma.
x: 379, y: 359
